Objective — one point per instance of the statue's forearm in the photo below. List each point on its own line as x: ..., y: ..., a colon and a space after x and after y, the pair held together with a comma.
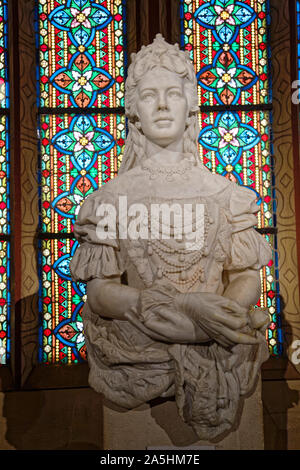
x: 244, y: 288
x: 111, y: 299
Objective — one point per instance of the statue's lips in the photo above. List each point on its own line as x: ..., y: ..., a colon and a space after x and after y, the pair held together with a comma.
x: 163, y: 121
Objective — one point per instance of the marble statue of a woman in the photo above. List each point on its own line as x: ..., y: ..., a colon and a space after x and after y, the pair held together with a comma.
x: 183, y: 325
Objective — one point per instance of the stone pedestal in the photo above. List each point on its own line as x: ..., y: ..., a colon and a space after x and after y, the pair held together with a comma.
x: 159, y: 426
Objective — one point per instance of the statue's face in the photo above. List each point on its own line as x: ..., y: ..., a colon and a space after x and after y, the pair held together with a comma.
x: 162, y: 107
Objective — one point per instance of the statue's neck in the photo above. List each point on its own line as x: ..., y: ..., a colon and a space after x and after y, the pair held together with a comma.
x: 169, y: 155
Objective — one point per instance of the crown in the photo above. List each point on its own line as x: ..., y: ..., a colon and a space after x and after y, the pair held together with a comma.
x: 159, y: 54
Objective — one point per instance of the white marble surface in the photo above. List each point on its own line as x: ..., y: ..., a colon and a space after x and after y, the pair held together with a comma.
x: 184, y: 325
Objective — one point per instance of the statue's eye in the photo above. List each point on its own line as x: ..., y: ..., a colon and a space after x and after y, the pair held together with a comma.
x: 175, y: 93
x: 148, y: 96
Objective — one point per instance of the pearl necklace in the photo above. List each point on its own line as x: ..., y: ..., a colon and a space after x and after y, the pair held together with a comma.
x: 187, y: 258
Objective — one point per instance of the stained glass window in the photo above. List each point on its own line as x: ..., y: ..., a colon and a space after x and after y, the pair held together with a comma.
x: 4, y: 191
x: 298, y: 39
x: 82, y: 132
x: 228, y: 44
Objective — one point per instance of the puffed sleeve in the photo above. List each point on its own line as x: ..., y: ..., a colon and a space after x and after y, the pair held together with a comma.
x: 248, y: 247
x: 98, y: 255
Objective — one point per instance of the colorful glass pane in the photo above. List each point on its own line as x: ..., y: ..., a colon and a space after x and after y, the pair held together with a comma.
x: 81, y: 67
x: 79, y: 153
x: 270, y: 299
x: 227, y: 42
x: 4, y: 301
x: 81, y: 53
x: 4, y: 191
x: 4, y: 176
x: 237, y: 146
x: 61, y: 302
x: 4, y: 86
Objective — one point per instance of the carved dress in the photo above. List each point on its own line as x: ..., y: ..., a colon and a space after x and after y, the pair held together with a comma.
x: 126, y: 365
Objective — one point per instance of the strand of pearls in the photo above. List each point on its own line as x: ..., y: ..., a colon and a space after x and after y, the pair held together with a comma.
x: 187, y: 258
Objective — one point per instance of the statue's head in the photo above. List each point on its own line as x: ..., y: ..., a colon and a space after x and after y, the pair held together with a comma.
x: 158, y: 57
x: 161, y: 101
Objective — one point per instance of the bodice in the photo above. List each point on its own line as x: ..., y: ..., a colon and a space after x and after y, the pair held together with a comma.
x: 225, y: 219
x: 178, y: 241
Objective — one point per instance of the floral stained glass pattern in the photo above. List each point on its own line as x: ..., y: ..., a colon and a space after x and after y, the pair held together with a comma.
x: 78, y: 154
x: 4, y: 244
x: 4, y: 85
x: 228, y: 43
x: 81, y: 53
x: 237, y: 146
x: 61, y: 302
x: 5, y: 302
x: 4, y: 176
x: 82, y: 133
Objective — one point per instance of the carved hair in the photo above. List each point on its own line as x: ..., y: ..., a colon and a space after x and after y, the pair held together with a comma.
x: 170, y: 57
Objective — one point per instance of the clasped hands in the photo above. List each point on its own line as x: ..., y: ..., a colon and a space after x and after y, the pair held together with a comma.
x: 166, y: 315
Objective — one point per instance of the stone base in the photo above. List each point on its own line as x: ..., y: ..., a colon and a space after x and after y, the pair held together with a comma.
x: 158, y: 426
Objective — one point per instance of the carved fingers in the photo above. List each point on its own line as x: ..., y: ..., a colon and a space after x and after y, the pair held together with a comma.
x: 173, y: 325
x: 221, y: 318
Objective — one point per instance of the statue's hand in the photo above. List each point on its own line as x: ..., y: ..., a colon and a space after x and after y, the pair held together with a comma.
x: 259, y: 319
x: 133, y: 317
x: 166, y: 315
x: 159, y: 318
x: 168, y: 326
x: 220, y: 318
x: 174, y: 326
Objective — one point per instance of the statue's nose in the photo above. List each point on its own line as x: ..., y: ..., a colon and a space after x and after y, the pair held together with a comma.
x: 162, y: 102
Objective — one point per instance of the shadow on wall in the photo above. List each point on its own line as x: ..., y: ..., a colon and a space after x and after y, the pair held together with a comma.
x: 278, y: 397
x: 53, y: 419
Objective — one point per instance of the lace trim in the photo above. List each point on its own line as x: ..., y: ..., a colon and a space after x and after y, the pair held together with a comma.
x: 168, y: 172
